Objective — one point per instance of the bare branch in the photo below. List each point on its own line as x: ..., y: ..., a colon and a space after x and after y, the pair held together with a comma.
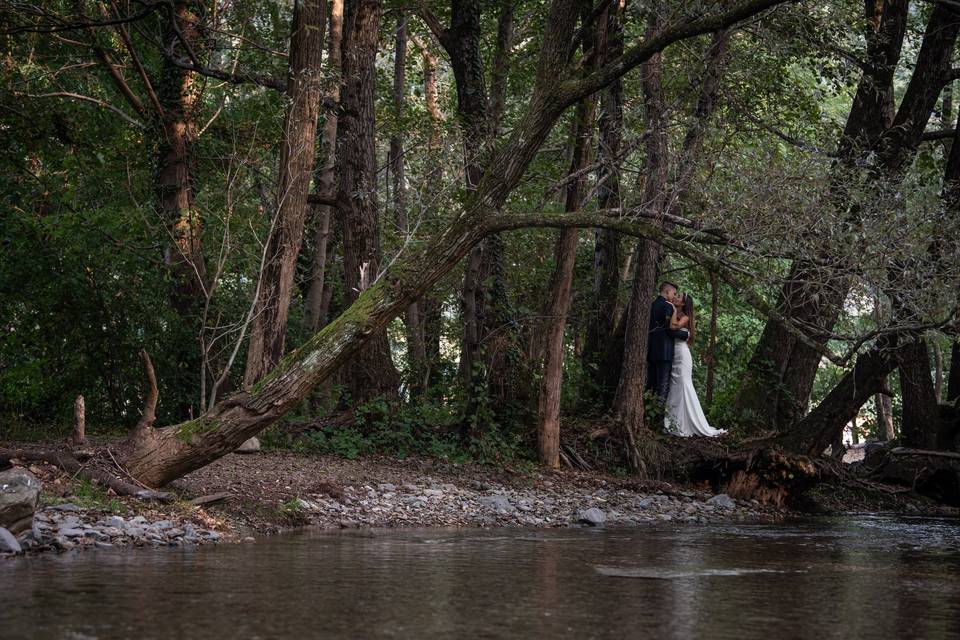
x: 83, y: 98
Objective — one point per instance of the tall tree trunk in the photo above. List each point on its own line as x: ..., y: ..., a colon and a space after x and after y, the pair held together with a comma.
x: 269, y: 327
x: 953, y: 381
x: 416, y: 349
x: 372, y: 373
x: 488, y: 333
x: 712, y: 347
x: 659, y: 199
x: 884, y: 409
x: 628, y: 404
x: 325, y: 181
x: 921, y: 415
x: 177, y: 93
x: 937, y: 372
x: 602, y: 309
x: 561, y: 283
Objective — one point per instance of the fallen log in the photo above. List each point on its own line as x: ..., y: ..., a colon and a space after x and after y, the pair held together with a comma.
x: 935, y: 474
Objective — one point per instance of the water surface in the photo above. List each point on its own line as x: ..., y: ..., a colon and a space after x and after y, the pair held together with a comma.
x: 854, y: 577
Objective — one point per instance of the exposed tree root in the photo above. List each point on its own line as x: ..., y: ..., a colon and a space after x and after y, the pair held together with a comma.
x: 768, y: 475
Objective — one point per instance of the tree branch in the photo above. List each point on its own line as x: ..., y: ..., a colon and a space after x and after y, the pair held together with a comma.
x: 96, y: 101
x: 573, y: 90
x: 149, y: 415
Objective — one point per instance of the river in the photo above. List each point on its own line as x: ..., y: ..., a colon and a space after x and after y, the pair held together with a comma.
x: 850, y: 577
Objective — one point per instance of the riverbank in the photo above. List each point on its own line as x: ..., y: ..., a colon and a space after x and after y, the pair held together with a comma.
x: 241, y: 496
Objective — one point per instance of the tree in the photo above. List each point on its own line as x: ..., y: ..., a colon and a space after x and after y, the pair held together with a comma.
x: 156, y: 456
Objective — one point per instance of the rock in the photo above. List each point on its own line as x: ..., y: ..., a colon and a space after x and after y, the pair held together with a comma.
x: 19, y: 497
x: 435, y: 493
x: 500, y: 504
x: 592, y: 516
x: 8, y: 543
x: 66, y: 506
x: 722, y: 500
x: 249, y: 539
x: 36, y: 533
x: 72, y: 532
x: 646, y: 503
x: 162, y: 525
x: 387, y: 487
x: 249, y: 446
x: 115, y: 521
x: 213, y: 498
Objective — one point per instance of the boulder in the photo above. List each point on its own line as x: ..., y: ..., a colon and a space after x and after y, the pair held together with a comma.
x: 8, y: 543
x: 723, y: 501
x: 499, y: 503
x: 19, y: 497
x: 249, y: 446
x: 592, y: 516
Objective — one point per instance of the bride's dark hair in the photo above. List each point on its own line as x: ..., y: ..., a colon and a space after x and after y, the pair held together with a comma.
x: 688, y: 311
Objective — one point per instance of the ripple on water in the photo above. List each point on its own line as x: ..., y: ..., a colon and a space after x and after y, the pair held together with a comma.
x: 654, y: 573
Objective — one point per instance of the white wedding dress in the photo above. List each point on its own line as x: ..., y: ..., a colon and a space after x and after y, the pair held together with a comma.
x: 684, y: 414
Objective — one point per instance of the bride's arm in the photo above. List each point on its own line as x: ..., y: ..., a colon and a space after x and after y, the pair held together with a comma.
x: 678, y: 323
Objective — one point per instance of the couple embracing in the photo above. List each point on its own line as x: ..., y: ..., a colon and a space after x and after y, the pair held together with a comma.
x: 670, y: 365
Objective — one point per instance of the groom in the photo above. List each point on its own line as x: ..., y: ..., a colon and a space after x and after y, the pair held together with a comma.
x: 660, y: 346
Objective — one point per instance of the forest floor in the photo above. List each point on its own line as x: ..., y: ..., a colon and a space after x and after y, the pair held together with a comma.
x: 240, y: 496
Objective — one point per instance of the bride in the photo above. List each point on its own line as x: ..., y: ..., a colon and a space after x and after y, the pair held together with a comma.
x: 684, y: 413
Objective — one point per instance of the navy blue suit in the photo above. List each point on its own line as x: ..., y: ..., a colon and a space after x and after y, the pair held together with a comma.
x: 660, y: 348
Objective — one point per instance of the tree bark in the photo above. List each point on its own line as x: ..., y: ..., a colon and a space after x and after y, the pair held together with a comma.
x: 561, y: 283
x: 372, y: 373
x: 884, y: 409
x: 712, y: 345
x: 953, y: 382
x: 602, y: 310
x: 175, y: 104
x: 814, y: 433
x: 416, y: 349
x: 269, y: 326
x: 628, y: 403
x: 921, y: 414
x: 325, y: 180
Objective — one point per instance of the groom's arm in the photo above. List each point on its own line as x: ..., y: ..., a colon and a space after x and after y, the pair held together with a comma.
x: 678, y: 334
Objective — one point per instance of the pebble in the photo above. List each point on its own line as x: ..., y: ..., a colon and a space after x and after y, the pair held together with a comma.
x: 57, y: 528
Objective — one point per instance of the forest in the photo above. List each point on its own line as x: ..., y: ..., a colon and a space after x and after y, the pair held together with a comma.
x: 436, y: 228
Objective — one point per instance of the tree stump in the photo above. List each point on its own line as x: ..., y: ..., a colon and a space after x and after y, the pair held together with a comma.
x: 79, y: 437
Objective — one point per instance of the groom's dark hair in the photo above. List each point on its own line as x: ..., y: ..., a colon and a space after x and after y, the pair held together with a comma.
x: 665, y: 285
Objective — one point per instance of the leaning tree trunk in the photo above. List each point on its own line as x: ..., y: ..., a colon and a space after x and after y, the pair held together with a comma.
x: 372, y: 372
x: 812, y: 435
x: 269, y: 326
x: 158, y: 455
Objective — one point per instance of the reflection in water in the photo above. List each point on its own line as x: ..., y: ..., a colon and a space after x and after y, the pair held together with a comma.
x: 851, y: 578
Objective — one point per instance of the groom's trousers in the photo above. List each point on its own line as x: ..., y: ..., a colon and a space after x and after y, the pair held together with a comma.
x: 658, y: 379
